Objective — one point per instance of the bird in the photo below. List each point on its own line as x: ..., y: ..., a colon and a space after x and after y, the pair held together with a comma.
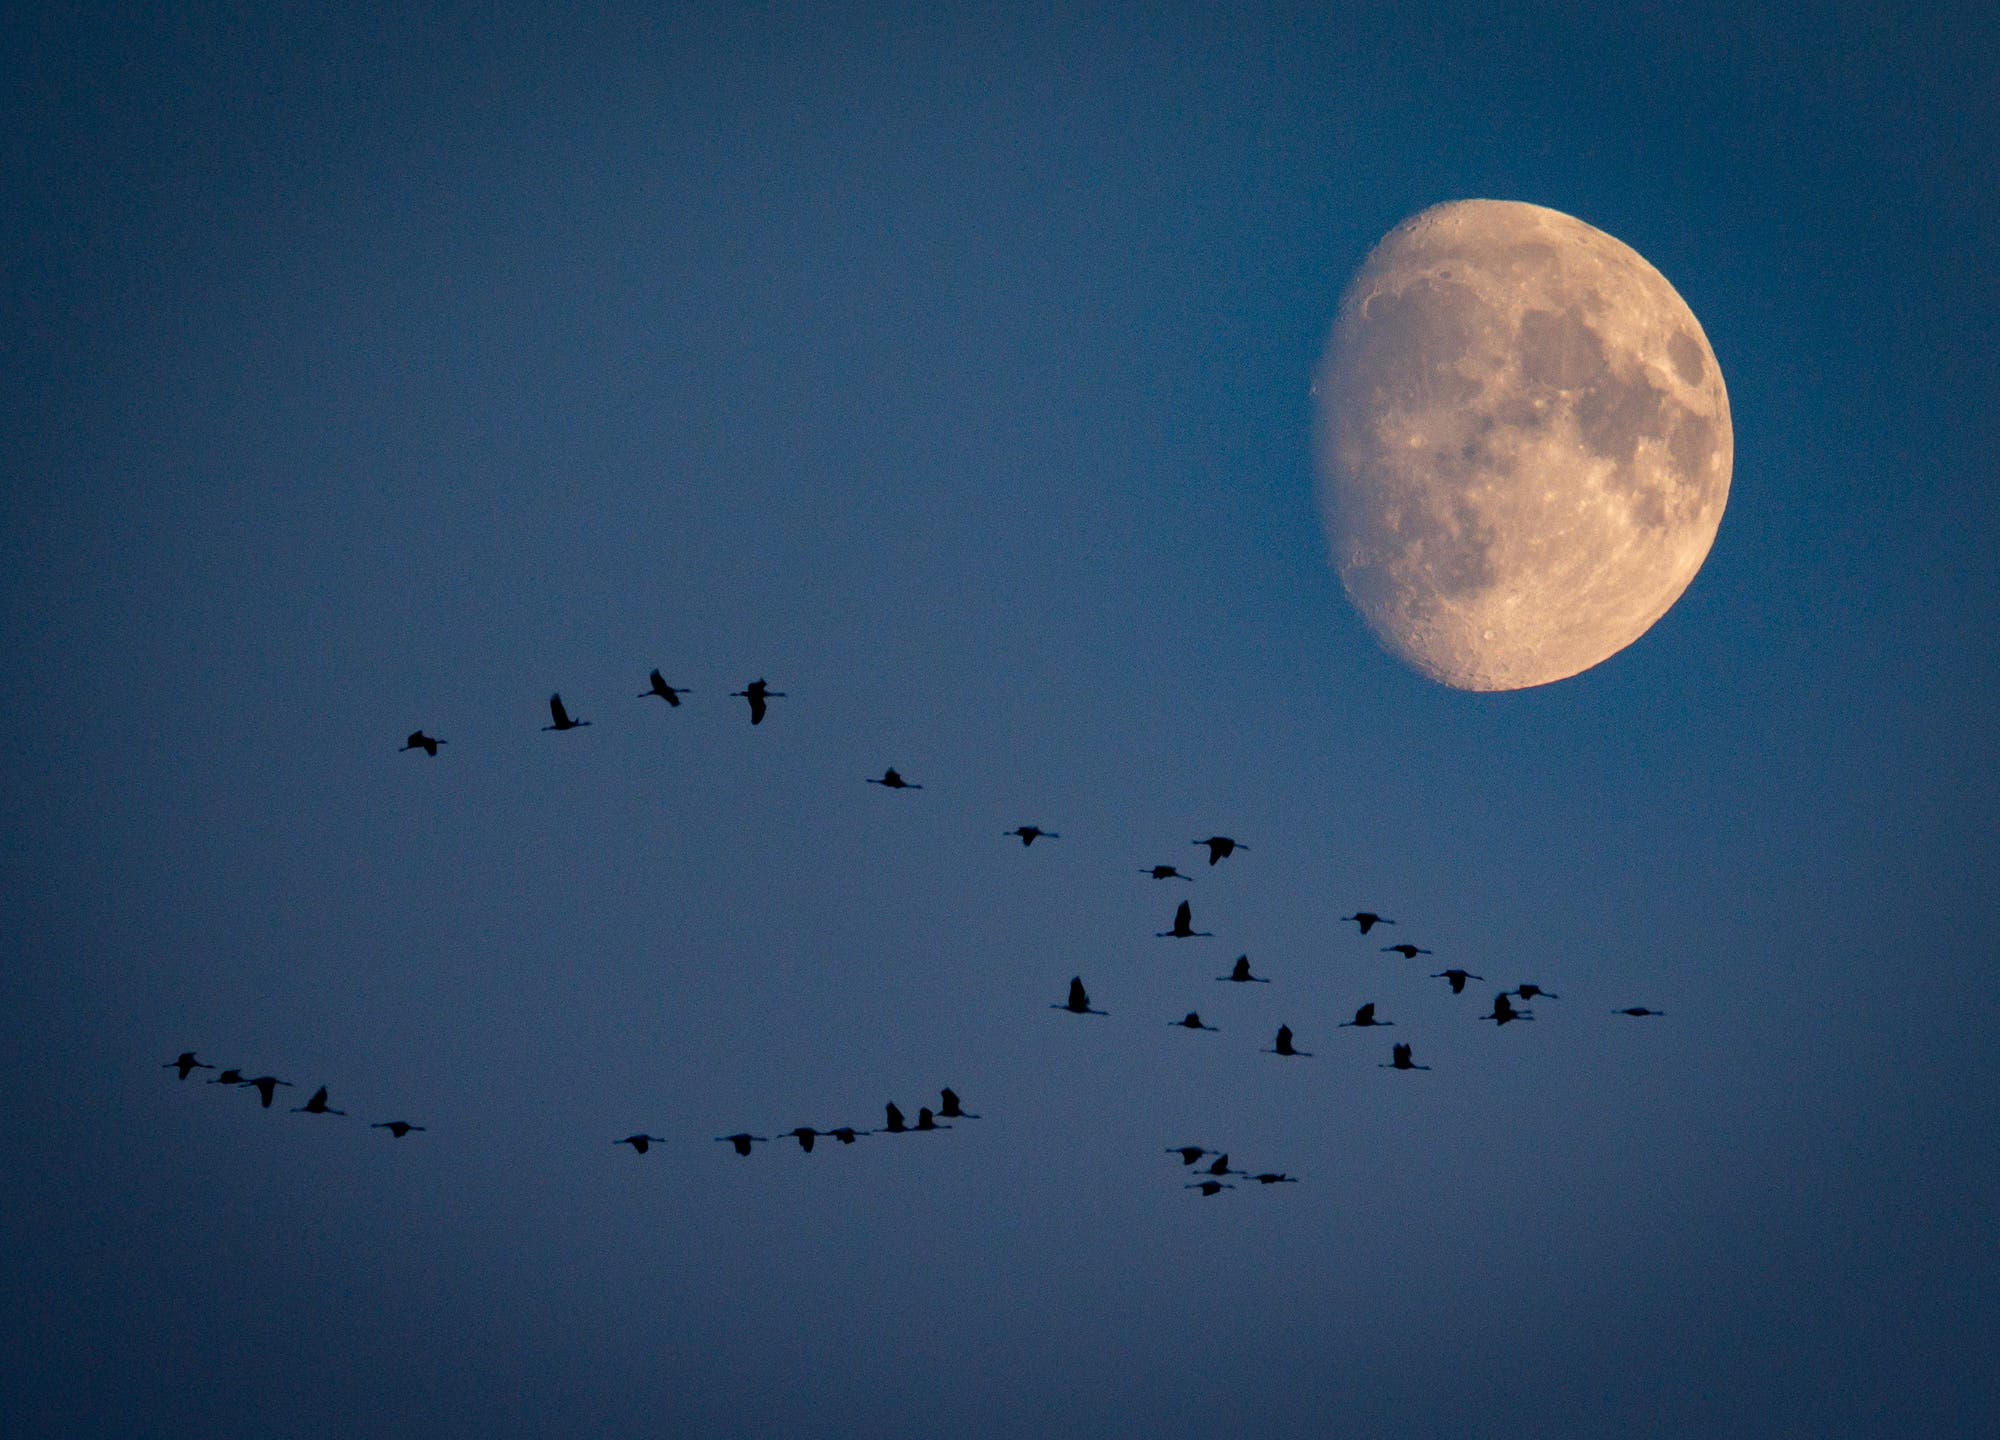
x: 400, y: 1128
x: 230, y: 1077
x: 642, y: 1143
x: 1183, y: 926
x: 1193, y: 1022
x: 1400, y: 1060
x: 1368, y: 920
x: 757, y: 693
x: 804, y: 1134
x: 1275, y: 1177
x: 669, y: 693
x: 950, y: 1108
x: 1165, y: 872
x: 1240, y: 973
x: 846, y: 1134
x: 1529, y: 992
x: 894, y: 1125
x: 741, y: 1143
x: 561, y: 716
x: 265, y: 1085
x: 1220, y: 848
x: 1637, y: 1010
x: 1221, y: 1166
x: 1188, y: 1153
x: 1503, y: 1011
x: 317, y: 1105
x: 1364, y: 1017
x: 1209, y: 1187
x: 1079, y: 1000
x: 420, y: 741
x: 1284, y: 1045
x: 1406, y: 950
x: 927, y: 1121
x: 892, y: 781
x: 1031, y: 833
x: 1457, y: 979
x: 184, y: 1063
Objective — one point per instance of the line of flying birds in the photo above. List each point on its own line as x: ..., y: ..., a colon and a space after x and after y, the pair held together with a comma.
x: 758, y: 694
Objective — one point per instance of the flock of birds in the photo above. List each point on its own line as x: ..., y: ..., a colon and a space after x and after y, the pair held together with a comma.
x: 1215, y: 1174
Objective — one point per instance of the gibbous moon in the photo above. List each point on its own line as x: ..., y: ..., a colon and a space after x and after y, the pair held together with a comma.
x: 1524, y: 444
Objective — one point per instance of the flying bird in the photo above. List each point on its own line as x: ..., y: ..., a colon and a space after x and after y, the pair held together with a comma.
x: 1193, y: 1022
x: 1637, y: 1010
x: 670, y: 694
x: 1400, y: 1060
x: 1220, y: 848
x: 1457, y: 979
x: 927, y: 1121
x: 1364, y: 1017
x: 1165, y: 872
x: 950, y: 1108
x: 184, y: 1063
x: 420, y: 741
x: 1031, y: 833
x: 804, y: 1134
x: 1240, y: 973
x: 316, y: 1106
x: 1529, y: 992
x: 642, y: 1143
x: 400, y: 1128
x: 741, y: 1143
x: 757, y: 693
x: 1210, y: 1187
x: 894, y: 1125
x: 265, y: 1085
x: 1079, y: 1000
x: 230, y: 1077
x: 1406, y: 950
x: 1183, y: 926
x: 892, y: 781
x: 1188, y: 1153
x: 1221, y: 1166
x: 1503, y: 1011
x: 845, y: 1133
x: 561, y: 716
x: 1278, y: 1177
x: 1284, y: 1045
x: 1368, y: 920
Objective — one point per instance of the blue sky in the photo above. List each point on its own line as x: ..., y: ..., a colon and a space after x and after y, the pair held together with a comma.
x: 951, y: 368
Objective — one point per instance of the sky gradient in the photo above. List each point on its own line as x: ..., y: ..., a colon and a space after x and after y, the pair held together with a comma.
x: 952, y: 369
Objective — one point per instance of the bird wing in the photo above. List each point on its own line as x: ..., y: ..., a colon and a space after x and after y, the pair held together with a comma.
x: 556, y: 711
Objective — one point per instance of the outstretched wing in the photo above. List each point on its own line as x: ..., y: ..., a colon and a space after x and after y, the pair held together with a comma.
x: 556, y: 711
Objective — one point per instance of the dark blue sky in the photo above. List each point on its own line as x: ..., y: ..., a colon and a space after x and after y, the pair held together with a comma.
x: 952, y: 368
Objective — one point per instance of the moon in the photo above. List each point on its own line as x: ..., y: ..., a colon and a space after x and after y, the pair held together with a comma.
x: 1524, y: 444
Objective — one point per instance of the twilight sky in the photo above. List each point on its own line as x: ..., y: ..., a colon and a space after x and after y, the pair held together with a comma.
x: 951, y: 368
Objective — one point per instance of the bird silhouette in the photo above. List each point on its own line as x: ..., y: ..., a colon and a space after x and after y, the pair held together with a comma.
x: 661, y: 688
x: 399, y: 1128
x: 804, y: 1134
x: 1406, y: 950
x: 1275, y: 1177
x: 894, y: 1125
x: 1364, y: 1017
x: 185, y: 1062
x: 1183, y: 926
x: 892, y: 781
x: 949, y: 1107
x: 1400, y: 1060
x: 1637, y: 1010
x: 230, y: 1077
x: 1188, y: 1153
x: 741, y: 1143
x: 1165, y: 872
x: 1079, y: 1000
x: 1193, y: 1022
x: 1031, y: 833
x: 1368, y: 920
x: 757, y: 693
x: 845, y: 1134
x: 1503, y: 1011
x: 420, y: 741
x: 1529, y: 992
x: 1457, y: 979
x: 1240, y: 973
x: 1221, y: 1166
x: 1210, y: 1187
x: 927, y: 1121
x: 1220, y: 848
x: 265, y: 1085
x: 561, y: 716
x: 642, y: 1143
x: 1284, y: 1044
x: 317, y: 1105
